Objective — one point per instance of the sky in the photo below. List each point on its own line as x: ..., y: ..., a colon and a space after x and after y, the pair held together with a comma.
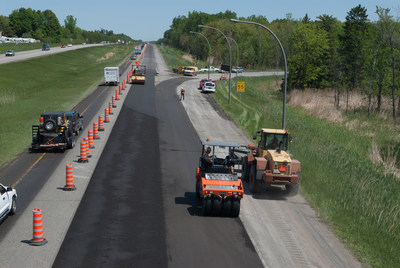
x: 149, y: 19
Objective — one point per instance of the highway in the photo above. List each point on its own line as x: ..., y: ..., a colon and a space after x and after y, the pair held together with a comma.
x: 34, y: 53
x: 139, y: 207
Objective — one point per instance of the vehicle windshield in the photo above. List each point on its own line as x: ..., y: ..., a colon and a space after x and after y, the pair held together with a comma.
x: 272, y: 141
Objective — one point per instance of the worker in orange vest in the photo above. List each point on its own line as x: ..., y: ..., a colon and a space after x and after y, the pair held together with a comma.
x: 182, y: 93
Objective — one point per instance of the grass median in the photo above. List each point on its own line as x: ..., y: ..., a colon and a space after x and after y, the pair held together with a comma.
x: 357, y: 198
x: 55, y: 82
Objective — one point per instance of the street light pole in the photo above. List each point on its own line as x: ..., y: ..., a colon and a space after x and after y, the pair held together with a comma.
x: 284, y: 58
x: 230, y: 56
x: 237, y: 55
x: 209, y: 50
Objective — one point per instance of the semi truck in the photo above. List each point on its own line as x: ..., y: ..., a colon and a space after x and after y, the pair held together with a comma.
x: 111, y: 75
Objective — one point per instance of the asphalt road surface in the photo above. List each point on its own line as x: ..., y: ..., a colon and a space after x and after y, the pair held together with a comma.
x: 34, y: 53
x: 140, y: 209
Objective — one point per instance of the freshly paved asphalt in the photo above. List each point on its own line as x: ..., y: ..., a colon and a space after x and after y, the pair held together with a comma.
x: 140, y: 209
x: 32, y: 176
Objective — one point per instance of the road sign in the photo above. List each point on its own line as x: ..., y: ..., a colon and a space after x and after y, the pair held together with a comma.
x: 240, y: 86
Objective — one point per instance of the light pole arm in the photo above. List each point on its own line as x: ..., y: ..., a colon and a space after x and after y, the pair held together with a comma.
x: 284, y: 58
x: 230, y: 56
x: 209, y: 51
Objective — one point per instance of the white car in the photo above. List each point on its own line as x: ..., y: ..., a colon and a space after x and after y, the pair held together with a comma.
x: 208, y: 87
x: 8, y: 201
x: 69, y: 45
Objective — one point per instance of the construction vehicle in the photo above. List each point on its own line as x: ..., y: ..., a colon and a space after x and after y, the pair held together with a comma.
x: 111, y: 75
x: 138, y: 74
x: 53, y: 132
x: 217, y: 183
x: 271, y: 163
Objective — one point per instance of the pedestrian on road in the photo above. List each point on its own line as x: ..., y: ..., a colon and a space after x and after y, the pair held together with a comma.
x: 182, y: 93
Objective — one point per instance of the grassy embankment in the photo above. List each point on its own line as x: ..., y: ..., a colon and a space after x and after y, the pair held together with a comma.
x: 55, y: 82
x: 23, y: 47
x: 358, y: 199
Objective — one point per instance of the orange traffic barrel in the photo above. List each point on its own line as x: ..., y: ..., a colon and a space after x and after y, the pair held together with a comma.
x: 120, y: 90
x: 38, y: 234
x: 110, y: 106
x: 95, y: 131
x: 106, y: 116
x: 116, y: 95
x: 90, y: 136
x: 101, y: 126
x: 86, y: 139
x: 113, y: 102
x: 69, y: 178
x: 83, y: 158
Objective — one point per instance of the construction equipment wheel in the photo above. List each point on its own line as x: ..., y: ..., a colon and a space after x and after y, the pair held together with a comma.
x: 293, y: 189
x: 207, y: 206
x: 235, y: 207
x: 227, y: 207
x: 255, y: 185
x: 216, y: 206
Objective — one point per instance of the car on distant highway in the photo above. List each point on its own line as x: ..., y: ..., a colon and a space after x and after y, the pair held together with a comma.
x: 8, y: 201
x: 208, y: 86
x: 69, y: 45
x: 237, y: 70
x: 10, y: 52
x: 133, y: 57
x: 45, y: 47
x: 63, y: 46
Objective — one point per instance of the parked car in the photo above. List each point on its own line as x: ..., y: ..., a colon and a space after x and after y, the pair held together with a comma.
x: 45, y: 47
x: 202, y: 81
x: 209, y: 86
x: 237, y: 70
x: 8, y: 201
x: 75, y: 120
x: 10, y: 52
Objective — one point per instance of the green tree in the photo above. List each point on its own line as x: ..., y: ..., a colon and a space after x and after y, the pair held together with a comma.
x: 352, y: 47
x: 306, y: 65
x: 51, y: 26
x: 5, y: 27
x: 387, y: 32
x: 70, y: 25
x: 333, y: 27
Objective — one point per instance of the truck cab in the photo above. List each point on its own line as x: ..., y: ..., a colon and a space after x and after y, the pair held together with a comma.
x: 8, y: 199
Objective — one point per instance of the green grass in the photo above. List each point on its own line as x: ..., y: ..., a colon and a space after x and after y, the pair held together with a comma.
x: 56, y: 82
x: 348, y: 191
x: 19, y: 47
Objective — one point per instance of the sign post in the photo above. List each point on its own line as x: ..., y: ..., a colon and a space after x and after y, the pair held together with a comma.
x: 240, y: 86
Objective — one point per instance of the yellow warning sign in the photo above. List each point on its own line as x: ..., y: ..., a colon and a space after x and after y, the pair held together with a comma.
x: 240, y: 86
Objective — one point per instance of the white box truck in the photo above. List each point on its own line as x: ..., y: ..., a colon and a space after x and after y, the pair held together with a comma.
x: 111, y: 75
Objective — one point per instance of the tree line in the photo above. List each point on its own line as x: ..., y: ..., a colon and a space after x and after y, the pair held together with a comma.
x: 45, y: 26
x: 357, y: 54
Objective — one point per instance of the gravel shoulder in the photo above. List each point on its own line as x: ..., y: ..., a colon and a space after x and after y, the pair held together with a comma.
x: 285, y: 231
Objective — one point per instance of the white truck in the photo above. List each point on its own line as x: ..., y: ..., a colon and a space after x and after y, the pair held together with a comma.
x: 8, y: 201
x: 111, y: 75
